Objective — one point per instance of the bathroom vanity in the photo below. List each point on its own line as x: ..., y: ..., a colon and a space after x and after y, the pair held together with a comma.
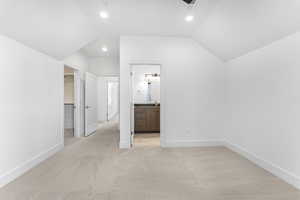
x: 146, y: 118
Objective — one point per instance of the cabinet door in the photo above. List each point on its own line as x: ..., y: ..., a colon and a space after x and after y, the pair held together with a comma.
x: 153, y: 119
x: 140, y: 119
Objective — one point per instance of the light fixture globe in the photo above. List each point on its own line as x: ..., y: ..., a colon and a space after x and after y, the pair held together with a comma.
x: 104, y: 14
x: 189, y: 18
x: 104, y: 49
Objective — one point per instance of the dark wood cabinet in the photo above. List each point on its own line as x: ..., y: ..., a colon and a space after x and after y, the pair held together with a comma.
x: 147, y: 118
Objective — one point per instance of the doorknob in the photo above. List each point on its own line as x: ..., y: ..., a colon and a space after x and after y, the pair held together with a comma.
x: 87, y: 107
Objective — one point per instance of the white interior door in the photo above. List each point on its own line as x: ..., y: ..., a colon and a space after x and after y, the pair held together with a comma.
x: 91, y: 109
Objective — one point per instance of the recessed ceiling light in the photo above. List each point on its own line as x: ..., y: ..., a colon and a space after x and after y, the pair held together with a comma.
x: 104, y: 14
x: 189, y: 18
x: 104, y: 49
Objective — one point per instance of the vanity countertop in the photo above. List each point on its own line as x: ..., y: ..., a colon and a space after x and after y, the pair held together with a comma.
x: 69, y: 104
x: 147, y: 104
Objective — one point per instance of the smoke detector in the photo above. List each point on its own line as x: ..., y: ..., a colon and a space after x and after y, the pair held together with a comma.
x: 190, y: 1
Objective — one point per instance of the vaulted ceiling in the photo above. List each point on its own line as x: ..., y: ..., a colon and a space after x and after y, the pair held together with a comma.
x: 228, y: 28
x: 236, y: 27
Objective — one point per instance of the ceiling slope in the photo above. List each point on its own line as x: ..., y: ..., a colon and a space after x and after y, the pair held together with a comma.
x: 57, y: 27
x: 134, y: 17
x: 228, y: 28
x: 236, y: 27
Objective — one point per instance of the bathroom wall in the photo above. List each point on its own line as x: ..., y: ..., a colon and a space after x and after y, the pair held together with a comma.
x: 140, y: 84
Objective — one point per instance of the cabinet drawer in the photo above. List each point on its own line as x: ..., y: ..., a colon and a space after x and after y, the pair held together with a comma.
x: 147, y: 119
x: 140, y: 115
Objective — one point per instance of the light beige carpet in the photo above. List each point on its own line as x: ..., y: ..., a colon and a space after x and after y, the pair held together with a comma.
x: 69, y: 137
x: 146, y: 140
x: 95, y: 169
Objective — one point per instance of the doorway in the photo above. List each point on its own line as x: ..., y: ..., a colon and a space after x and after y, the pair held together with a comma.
x: 108, y: 99
x: 112, y: 100
x: 71, y: 105
x: 145, y: 105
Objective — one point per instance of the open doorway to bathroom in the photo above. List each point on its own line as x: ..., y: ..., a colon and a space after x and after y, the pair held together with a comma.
x: 145, y: 105
x: 71, y: 106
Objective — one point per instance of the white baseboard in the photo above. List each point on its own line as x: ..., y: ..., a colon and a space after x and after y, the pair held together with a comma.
x: 192, y: 143
x: 274, y: 169
x: 124, y: 145
x: 27, y: 165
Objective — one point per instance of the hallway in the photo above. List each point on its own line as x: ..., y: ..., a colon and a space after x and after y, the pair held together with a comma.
x: 95, y: 169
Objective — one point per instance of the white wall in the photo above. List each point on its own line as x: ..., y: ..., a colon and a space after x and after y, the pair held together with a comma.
x: 194, y: 88
x: 140, y: 85
x: 31, y: 108
x: 263, y: 99
x: 104, y: 66
x: 78, y: 61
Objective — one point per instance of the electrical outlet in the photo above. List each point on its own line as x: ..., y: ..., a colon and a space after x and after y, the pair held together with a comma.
x: 188, y: 132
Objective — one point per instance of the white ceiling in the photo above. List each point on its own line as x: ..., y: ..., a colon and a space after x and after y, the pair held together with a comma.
x: 136, y: 17
x: 228, y: 28
x: 236, y: 27
x: 55, y: 27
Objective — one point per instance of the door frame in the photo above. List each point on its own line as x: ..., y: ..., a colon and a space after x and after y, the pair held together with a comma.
x: 162, y: 101
x: 77, y: 100
x: 77, y: 104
